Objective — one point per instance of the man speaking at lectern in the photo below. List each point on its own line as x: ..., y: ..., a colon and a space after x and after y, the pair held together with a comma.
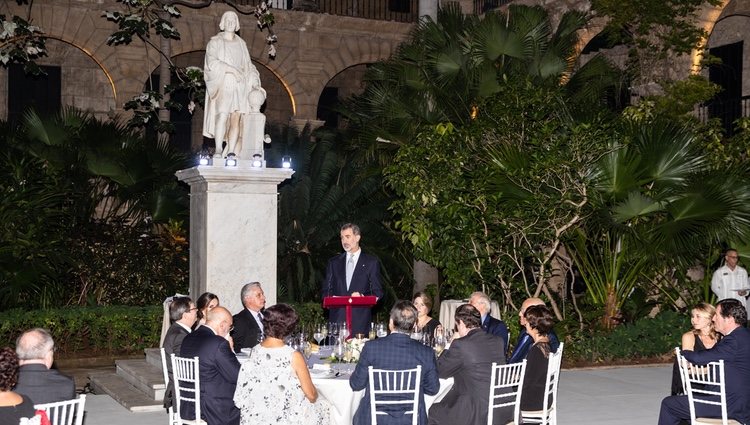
x: 355, y: 274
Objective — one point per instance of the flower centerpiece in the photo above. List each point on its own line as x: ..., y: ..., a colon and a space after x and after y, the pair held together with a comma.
x: 354, y: 348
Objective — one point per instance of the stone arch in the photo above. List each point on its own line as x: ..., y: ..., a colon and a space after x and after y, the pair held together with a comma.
x: 86, y: 83
x: 348, y: 82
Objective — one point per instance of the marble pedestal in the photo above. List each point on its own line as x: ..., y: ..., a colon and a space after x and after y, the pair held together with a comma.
x: 233, y: 215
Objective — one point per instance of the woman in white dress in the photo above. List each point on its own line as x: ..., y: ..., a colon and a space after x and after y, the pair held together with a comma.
x: 274, y: 385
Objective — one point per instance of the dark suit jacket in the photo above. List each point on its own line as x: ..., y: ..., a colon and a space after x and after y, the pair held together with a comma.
x: 496, y: 327
x: 44, y: 385
x: 469, y: 362
x: 218, y: 377
x: 734, y: 349
x: 172, y: 343
x: 394, y: 352
x: 246, y: 330
x: 365, y: 280
x: 525, y: 342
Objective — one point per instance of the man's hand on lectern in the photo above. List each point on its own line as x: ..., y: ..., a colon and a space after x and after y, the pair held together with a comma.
x: 356, y: 294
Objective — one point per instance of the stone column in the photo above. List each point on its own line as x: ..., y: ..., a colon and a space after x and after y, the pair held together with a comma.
x: 233, y: 215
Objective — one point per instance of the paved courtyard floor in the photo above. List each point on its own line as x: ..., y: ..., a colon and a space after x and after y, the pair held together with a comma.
x: 612, y: 396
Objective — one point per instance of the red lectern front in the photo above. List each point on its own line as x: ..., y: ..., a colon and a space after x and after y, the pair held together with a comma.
x: 348, y: 302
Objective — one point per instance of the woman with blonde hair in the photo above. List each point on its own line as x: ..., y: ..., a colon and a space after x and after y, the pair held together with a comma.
x: 702, y: 337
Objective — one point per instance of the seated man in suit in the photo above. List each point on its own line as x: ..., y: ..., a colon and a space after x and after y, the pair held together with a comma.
x: 218, y: 369
x: 248, y: 323
x: 183, y: 314
x: 481, y: 302
x: 524, y: 339
x: 36, y: 378
x: 734, y: 349
x: 396, y: 351
x: 469, y: 362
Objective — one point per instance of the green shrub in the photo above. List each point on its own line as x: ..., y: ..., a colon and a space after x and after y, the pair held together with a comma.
x: 646, y: 337
x: 88, y: 330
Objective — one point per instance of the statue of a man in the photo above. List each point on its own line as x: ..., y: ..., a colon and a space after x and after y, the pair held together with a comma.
x: 230, y: 77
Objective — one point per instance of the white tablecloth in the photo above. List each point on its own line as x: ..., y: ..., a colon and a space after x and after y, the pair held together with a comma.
x: 448, y: 311
x: 344, y: 401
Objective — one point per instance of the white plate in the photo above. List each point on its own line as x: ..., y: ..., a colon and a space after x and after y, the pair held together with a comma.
x: 321, y: 373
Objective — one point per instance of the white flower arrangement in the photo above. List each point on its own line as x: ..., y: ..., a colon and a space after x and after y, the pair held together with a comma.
x: 354, y: 349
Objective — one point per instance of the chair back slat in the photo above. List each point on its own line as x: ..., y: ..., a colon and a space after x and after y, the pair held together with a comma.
x: 394, y: 388
x: 506, y: 386
x: 186, y: 378
x: 548, y: 414
x: 68, y: 412
x: 704, y: 384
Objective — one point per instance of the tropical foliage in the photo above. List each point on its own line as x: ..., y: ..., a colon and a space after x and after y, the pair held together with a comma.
x: 451, y: 65
x: 326, y: 190
x: 71, y: 176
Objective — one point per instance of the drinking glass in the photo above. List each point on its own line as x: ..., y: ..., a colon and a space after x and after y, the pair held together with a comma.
x: 381, y: 332
x: 338, y: 349
x: 416, y: 334
x: 318, y: 335
x: 439, y: 342
x: 344, y: 331
x: 373, y: 331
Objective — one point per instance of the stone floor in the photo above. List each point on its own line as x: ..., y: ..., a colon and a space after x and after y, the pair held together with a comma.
x: 612, y: 396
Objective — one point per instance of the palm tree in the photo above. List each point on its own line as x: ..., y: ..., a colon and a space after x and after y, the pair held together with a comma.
x: 655, y: 204
x: 129, y: 177
x: 326, y: 190
x: 449, y: 66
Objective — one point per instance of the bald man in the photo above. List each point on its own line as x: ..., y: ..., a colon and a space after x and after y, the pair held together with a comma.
x: 524, y: 340
x: 36, y: 378
x: 218, y: 369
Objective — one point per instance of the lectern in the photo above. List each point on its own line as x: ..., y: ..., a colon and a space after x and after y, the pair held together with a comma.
x: 349, y: 302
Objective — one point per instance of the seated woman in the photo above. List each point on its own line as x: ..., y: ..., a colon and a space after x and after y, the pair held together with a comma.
x: 702, y: 337
x: 206, y: 302
x: 13, y: 406
x: 539, y: 323
x: 274, y: 385
x: 426, y: 324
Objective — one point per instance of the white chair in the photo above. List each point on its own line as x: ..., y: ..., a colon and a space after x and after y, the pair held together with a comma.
x: 68, y: 412
x: 703, y: 385
x: 682, y: 376
x: 506, y: 384
x: 165, y: 371
x: 187, y: 389
x: 548, y: 414
x: 394, y: 388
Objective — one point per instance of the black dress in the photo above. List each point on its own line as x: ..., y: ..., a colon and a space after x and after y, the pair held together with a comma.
x: 13, y: 414
x: 676, y: 380
x: 430, y: 327
x: 532, y: 396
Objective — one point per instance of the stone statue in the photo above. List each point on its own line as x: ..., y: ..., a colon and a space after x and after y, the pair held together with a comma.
x: 230, y: 78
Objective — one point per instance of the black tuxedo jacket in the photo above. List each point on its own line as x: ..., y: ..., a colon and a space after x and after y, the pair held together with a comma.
x: 246, y: 330
x: 496, y: 327
x: 365, y: 280
x: 469, y: 362
x: 44, y: 385
x: 218, y: 377
x: 172, y: 343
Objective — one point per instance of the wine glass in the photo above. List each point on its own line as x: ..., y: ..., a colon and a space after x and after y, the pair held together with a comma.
x: 334, y: 331
x: 338, y: 349
x: 381, y: 332
x: 416, y: 333
x: 344, y: 331
x: 318, y: 335
x: 439, y: 342
x: 373, y: 332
